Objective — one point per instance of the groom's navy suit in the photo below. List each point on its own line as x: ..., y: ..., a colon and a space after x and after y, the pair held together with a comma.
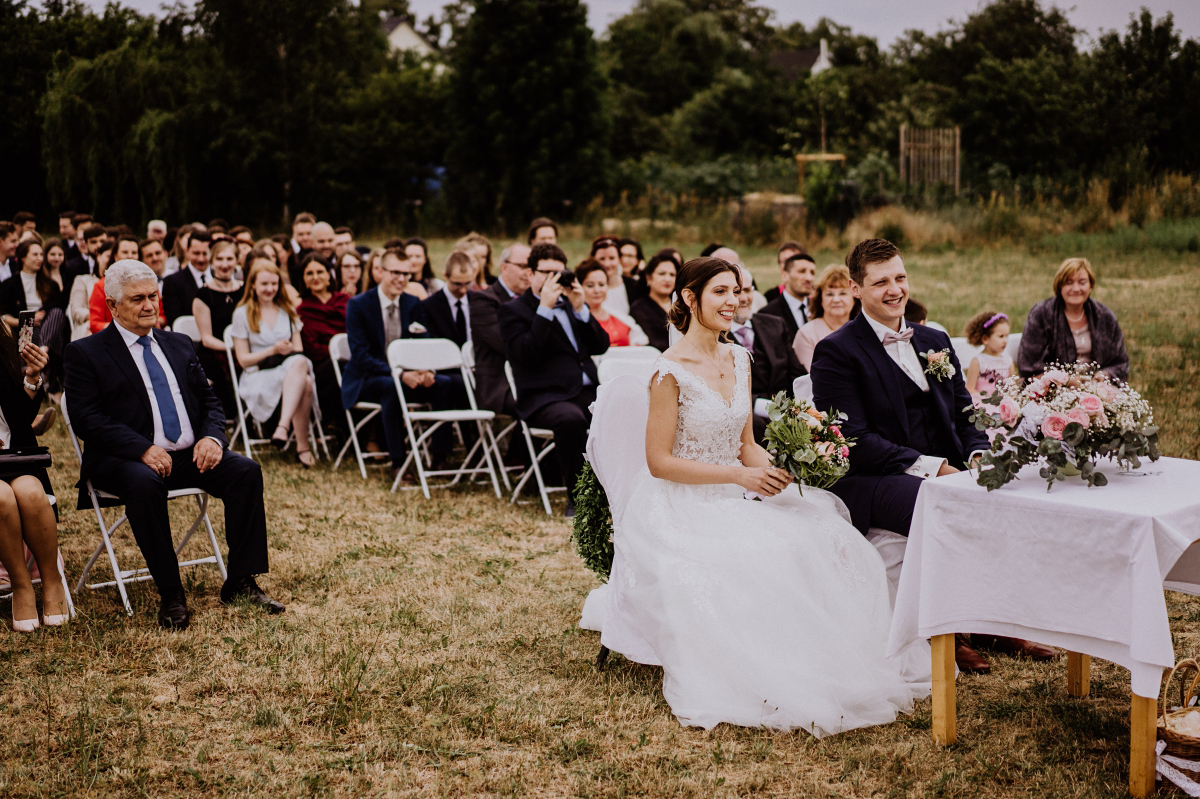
x: 892, y: 420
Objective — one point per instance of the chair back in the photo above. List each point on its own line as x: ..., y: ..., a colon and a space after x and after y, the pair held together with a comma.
x: 964, y: 350
x: 640, y: 367
x: 188, y: 327
x: 629, y: 353
x: 802, y: 388
x: 1014, y: 345
x: 433, y: 354
x: 339, y: 350
x: 616, y: 445
x: 62, y: 407
x: 468, y: 355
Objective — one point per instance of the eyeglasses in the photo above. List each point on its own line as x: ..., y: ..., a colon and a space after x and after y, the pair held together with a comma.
x: 517, y: 265
x: 399, y: 273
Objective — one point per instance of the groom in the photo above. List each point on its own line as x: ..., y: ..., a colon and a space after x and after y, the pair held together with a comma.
x: 910, y: 420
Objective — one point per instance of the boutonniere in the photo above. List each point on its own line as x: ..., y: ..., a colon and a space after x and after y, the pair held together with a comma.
x: 416, y: 328
x: 937, y: 364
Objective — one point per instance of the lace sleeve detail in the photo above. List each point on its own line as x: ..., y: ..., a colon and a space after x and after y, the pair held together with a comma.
x: 665, y: 366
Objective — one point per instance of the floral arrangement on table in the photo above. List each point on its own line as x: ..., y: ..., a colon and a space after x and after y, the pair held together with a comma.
x: 1067, y: 419
x: 807, y: 442
x: 592, y: 527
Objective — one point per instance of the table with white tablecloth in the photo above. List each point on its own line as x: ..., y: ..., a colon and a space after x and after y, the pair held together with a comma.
x: 1076, y: 567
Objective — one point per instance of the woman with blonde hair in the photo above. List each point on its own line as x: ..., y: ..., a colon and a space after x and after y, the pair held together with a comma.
x: 833, y: 306
x: 266, y: 342
x: 478, y: 247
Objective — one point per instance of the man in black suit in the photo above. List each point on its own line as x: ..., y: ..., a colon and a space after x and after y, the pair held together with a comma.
x: 908, y: 424
x: 773, y: 367
x: 791, y: 305
x: 150, y: 422
x: 447, y: 315
x: 551, y: 336
x: 180, y: 288
x: 491, y: 387
x: 785, y: 251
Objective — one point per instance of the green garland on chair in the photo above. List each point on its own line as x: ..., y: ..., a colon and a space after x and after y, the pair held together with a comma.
x: 593, y: 528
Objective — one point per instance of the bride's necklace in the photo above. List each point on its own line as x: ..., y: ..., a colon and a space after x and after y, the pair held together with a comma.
x: 715, y: 361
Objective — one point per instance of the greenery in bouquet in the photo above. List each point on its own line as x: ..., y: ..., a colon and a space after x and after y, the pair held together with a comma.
x: 1066, y: 420
x: 806, y: 442
x: 592, y: 527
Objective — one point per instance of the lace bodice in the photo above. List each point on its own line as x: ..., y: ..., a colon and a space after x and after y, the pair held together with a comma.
x: 709, y: 430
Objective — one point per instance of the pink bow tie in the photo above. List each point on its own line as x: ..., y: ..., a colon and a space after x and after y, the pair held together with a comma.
x: 891, y: 338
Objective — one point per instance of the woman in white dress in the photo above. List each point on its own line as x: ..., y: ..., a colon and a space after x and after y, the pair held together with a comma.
x: 266, y: 341
x: 763, y: 614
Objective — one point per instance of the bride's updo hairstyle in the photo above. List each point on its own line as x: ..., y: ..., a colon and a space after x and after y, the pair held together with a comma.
x: 694, y: 276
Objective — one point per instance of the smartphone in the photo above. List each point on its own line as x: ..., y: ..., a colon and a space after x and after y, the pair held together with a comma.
x: 25, y: 329
x: 566, y: 279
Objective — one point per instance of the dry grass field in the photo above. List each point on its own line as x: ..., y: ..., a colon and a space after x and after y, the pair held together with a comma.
x: 430, y: 648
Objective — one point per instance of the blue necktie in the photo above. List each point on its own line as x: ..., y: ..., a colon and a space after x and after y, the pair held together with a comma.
x: 162, y: 391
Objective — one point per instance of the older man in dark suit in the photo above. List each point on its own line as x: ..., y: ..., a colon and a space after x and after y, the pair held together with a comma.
x: 491, y: 387
x: 551, y: 337
x: 151, y: 423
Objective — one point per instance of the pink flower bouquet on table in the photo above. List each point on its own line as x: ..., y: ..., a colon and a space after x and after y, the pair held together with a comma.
x: 806, y: 442
x: 1066, y: 419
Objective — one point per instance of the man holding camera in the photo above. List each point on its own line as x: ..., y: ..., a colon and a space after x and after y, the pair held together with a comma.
x: 551, y: 336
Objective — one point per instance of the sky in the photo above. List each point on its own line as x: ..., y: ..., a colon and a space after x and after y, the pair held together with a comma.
x: 886, y: 20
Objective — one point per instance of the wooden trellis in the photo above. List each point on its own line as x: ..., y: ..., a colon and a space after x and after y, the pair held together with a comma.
x: 930, y: 156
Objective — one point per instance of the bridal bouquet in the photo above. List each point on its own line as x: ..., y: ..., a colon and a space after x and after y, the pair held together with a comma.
x: 1067, y: 419
x: 806, y: 442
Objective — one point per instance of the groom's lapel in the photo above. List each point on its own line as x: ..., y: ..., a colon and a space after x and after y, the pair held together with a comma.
x: 925, y: 339
x: 885, y: 367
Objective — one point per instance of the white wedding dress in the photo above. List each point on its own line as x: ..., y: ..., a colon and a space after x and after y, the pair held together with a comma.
x: 763, y: 614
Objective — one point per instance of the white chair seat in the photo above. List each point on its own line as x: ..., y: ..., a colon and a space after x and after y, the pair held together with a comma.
x: 174, y: 493
x: 541, y: 432
x: 452, y: 416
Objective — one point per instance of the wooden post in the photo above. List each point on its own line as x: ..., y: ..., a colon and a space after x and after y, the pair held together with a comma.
x: 1142, y: 734
x: 945, y: 728
x: 1079, y: 674
x: 903, y: 171
x: 957, y: 158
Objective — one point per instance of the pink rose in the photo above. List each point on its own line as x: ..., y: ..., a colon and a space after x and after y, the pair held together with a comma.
x: 1009, y: 411
x: 1054, y: 424
x: 936, y: 357
x: 1091, y: 404
x: 1079, y: 415
x: 1037, y: 388
x: 1104, y: 390
x: 845, y: 452
x: 833, y: 428
x: 1057, y: 376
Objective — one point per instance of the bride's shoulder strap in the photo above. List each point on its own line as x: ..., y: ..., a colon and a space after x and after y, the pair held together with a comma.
x: 665, y: 366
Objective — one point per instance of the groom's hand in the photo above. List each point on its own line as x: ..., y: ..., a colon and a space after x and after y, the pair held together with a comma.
x: 946, y: 469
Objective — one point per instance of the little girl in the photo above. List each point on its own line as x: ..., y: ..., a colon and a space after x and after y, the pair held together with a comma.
x: 990, y: 331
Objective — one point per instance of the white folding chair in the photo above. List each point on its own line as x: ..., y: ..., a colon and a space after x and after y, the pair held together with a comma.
x: 30, y: 564
x: 1014, y: 346
x: 964, y: 351
x: 802, y: 388
x: 610, y: 368
x: 436, y: 354
x: 494, y: 438
x: 535, y: 455
x: 101, y: 498
x: 627, y: 353
x: 188, y: 327
x: 339, y: 351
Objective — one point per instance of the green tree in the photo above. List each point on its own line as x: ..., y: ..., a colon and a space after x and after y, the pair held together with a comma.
x: 529, y: 132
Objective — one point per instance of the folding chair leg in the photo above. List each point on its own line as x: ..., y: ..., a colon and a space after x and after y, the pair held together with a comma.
x: 202, y: 503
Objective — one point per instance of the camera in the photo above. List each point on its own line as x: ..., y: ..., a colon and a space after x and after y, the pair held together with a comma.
x: 566, y: 279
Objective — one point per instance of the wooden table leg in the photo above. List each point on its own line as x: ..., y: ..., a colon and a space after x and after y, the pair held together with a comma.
x: 945, y: 728
x: 1142, y: 736
x: 1079, y: 674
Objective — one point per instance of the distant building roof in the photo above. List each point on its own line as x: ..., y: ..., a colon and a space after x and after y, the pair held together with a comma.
x: 793, y: 64
x: 401, y: 35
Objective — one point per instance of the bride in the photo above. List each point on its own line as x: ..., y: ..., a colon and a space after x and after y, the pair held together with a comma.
x: 763, y: 614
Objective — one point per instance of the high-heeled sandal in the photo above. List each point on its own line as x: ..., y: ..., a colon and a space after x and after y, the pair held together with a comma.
x: 276, y: 441
x: 301, y: 462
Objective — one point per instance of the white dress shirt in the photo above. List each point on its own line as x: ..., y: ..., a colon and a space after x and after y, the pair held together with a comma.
x: 799, y: 308
x: 198, y: 276
x: 6, y: 270
x: 559, y: 314
x: 187, y: 436
x: 905, y: 356
x: 454, y: 309
x: 511, y: 294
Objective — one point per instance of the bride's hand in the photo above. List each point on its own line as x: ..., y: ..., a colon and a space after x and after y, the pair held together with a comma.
x: 765, y: 480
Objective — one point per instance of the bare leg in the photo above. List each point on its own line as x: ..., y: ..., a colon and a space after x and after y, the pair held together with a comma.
x: 40, y: 530
x: 293, y: 392
x: 12, y: 555
x: 302, y: 420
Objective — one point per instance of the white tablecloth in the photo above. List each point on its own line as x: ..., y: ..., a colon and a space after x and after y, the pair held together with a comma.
x: 1080, y: 568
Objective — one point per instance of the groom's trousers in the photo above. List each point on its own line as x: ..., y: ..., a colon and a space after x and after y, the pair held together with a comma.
x: 883, y: 501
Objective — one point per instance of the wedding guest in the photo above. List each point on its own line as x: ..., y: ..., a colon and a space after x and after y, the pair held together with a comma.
x: 178, y: 257
x: 79, y: 306
x: 785, y: 251
x: 773, y: 366
x: 623, y: 291
x: 213, y: 309
x: 757, y: 301
x: 793, y: 305
x: 915, y: 312
x: 542, y: 231
x: 373, y: 321
x: 55, y: 260
x: 127, y: 247
x: 343, y: 241
x: 154, y: 255
x: 622, y: 330
x: 375, y: 272
x: 1072, y: 327
x: 833, y: 306
x: 245, y: 242
x: 650, y: 311
x: 26, y: 516
x: 66, y: 232
x: 173, y: 438
x: 550, y: 336
x: 302, y: 232
x: 29, y: 289
x: 478, y: 246
x: 988, y: 330
x: 276, y: 375
x: 446, y: 310
x: 322, y: 236
x: 418, y: 255
x: 322, y: 316
x: 156, y: 230
x: 280, y: 244
x: 632, y: 259
x: 180, y: 288
x: 8, y: 245
x: 353, y: 276
x: 491, y: 386
x: 674, y: 254
x: 25, y: 222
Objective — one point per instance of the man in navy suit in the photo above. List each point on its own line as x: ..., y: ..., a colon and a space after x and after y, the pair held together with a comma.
x: 551, y: 337
x: 374, y: 320
x: 910, y: 423
x: 151, y: 423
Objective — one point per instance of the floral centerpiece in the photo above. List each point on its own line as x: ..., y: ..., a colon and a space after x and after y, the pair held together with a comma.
x: 1067, y: 419
x: 806, y: 442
